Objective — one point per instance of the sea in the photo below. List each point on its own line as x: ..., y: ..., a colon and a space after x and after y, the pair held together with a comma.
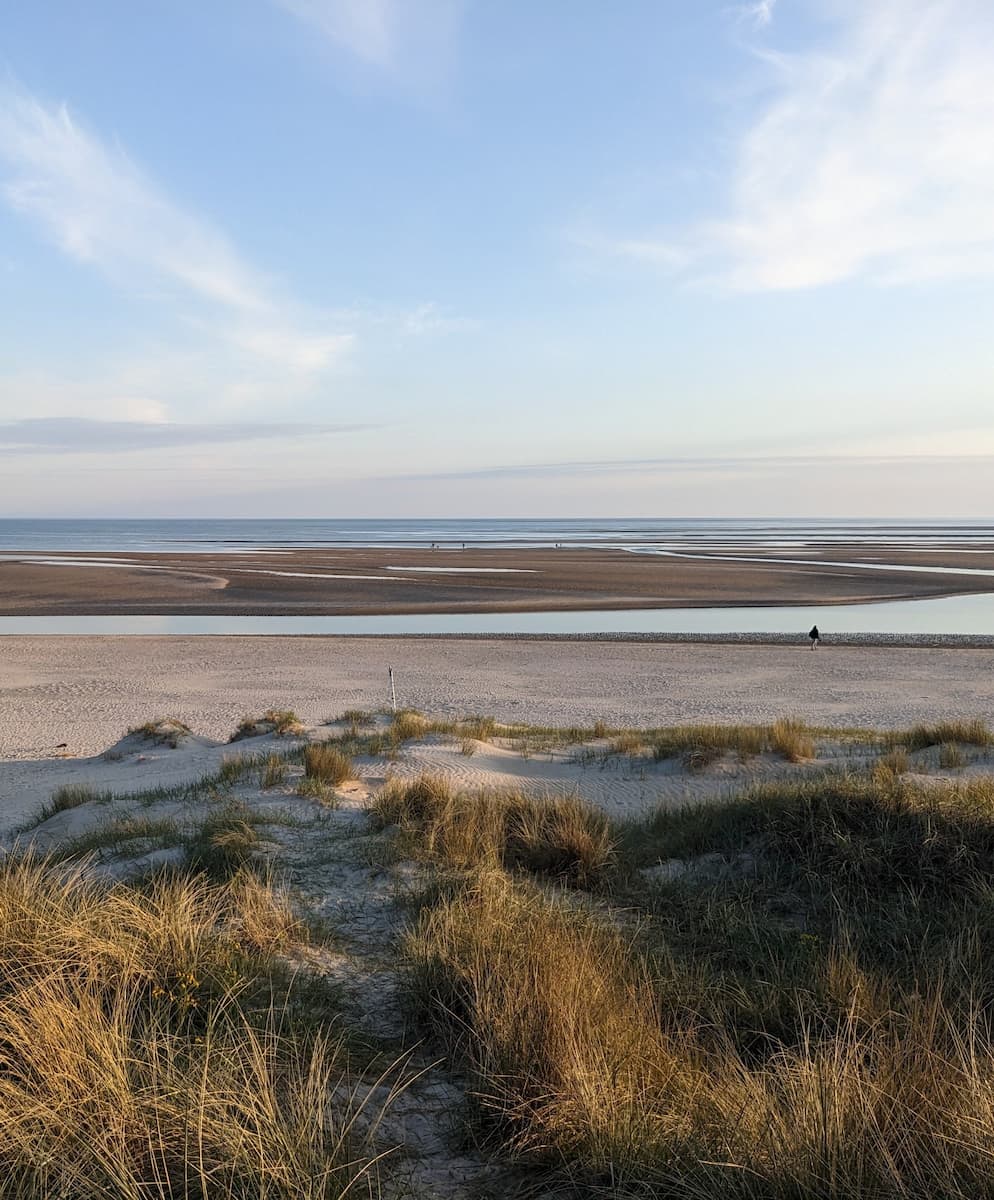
x: 969, y: 616
x: 190, y: 536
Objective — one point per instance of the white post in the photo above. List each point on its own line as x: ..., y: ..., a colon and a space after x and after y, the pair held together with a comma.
x: 393, y: 690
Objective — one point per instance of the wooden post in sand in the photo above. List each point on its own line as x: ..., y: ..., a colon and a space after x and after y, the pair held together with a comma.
x: 393, y: 690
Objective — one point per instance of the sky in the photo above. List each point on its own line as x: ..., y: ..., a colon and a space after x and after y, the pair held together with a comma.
x: 352, y: 258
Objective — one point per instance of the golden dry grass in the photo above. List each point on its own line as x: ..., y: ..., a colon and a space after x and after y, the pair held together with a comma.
x: 579, y: 1069
x: 328, y: 764
x: 142, y: 1049
x: 560, y: 838
x: 973, y: 732
x: 791, y: 740
x: 820, y: 1027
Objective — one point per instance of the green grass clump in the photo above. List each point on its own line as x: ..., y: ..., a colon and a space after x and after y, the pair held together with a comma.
x: 632, y: 742
x: 73, y: 795
x: 233, y: 769
x: 480, y: 729
x: 894, y: 761
x: 313, y: 788
x: 404, y: 802
x: 328, y: 763
x: 123, y: 836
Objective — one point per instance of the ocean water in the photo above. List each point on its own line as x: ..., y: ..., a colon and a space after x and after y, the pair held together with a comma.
x: 969, y: 615
x: 663, y: 533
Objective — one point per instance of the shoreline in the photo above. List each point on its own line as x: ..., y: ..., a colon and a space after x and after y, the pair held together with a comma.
x: 906, y: 641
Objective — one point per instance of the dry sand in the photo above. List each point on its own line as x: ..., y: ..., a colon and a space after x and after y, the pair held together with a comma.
x: 86, y: 691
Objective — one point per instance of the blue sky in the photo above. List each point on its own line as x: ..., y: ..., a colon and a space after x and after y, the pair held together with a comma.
x: 470, y: 257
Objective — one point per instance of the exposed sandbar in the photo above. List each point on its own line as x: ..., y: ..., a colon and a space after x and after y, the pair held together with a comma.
x: 369, y: 581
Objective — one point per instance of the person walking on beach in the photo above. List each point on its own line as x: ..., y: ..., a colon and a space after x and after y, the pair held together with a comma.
x: 815, y: 636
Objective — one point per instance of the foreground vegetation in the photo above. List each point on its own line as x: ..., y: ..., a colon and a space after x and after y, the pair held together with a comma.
x: 818, y: 1024
x: 782, y: 994
x: 152, y: 1047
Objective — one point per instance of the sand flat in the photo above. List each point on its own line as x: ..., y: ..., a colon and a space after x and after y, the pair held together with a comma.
x: 362, y: 581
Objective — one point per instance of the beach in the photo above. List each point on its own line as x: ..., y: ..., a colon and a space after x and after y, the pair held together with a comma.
x: 85, y: 691
x: 450, y: 579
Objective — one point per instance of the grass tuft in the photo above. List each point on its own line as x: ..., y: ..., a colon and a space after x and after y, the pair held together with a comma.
x: 407, y: 725
x: 970, y: 733
x: 561, y: 839
x: 281, y: 721
x: 168, y: 731
x: 328, y: 764
x: 274, y: 771
x: 73, y: 795
x: 951, y: 756
x: 791, y: 740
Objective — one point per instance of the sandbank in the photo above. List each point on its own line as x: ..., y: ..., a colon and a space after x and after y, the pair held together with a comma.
x: 346, y: 581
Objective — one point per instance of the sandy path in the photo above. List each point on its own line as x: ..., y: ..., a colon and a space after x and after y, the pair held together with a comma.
x: 87, y: 691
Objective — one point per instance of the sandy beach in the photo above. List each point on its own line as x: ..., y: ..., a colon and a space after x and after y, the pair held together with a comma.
x: 450, y: 580
x: 85, y: 691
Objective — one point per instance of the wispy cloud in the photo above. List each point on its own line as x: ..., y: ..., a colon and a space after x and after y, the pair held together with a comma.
x: 79, y: 435
x: 409, y: 40
x: 100, y: 208
x: 759, y: 14
x: 694, y: 464
x: 873, y: 159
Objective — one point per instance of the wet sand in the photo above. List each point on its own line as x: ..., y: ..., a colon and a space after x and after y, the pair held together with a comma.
x: 370, y: 581
x: 86, y: 691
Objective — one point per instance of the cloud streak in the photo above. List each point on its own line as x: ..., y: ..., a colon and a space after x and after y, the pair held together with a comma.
x: 100, y: 208
x: 408, y: 41
x: 80, y: 435
x: 764, y: 463
x: 873, y: 159
x: 759, y: 14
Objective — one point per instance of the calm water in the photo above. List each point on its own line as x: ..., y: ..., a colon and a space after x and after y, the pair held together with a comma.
x: 217, y: 535
x: 946, y: 615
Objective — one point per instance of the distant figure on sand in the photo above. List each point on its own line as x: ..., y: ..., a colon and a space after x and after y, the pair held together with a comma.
x: 815, y: 636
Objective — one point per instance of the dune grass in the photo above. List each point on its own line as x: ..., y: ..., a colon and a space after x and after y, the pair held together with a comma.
x: 144, y: 1051
x: 273, y: 772
x: 327, y: 763
x: 225, y: 844
x: 72, y: 795
x: 968, y: 732
x: 951, y: 756
x: 819, y: 1027
x: 164, y: 731
x: 559, y: 838
x: 284, y: 722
